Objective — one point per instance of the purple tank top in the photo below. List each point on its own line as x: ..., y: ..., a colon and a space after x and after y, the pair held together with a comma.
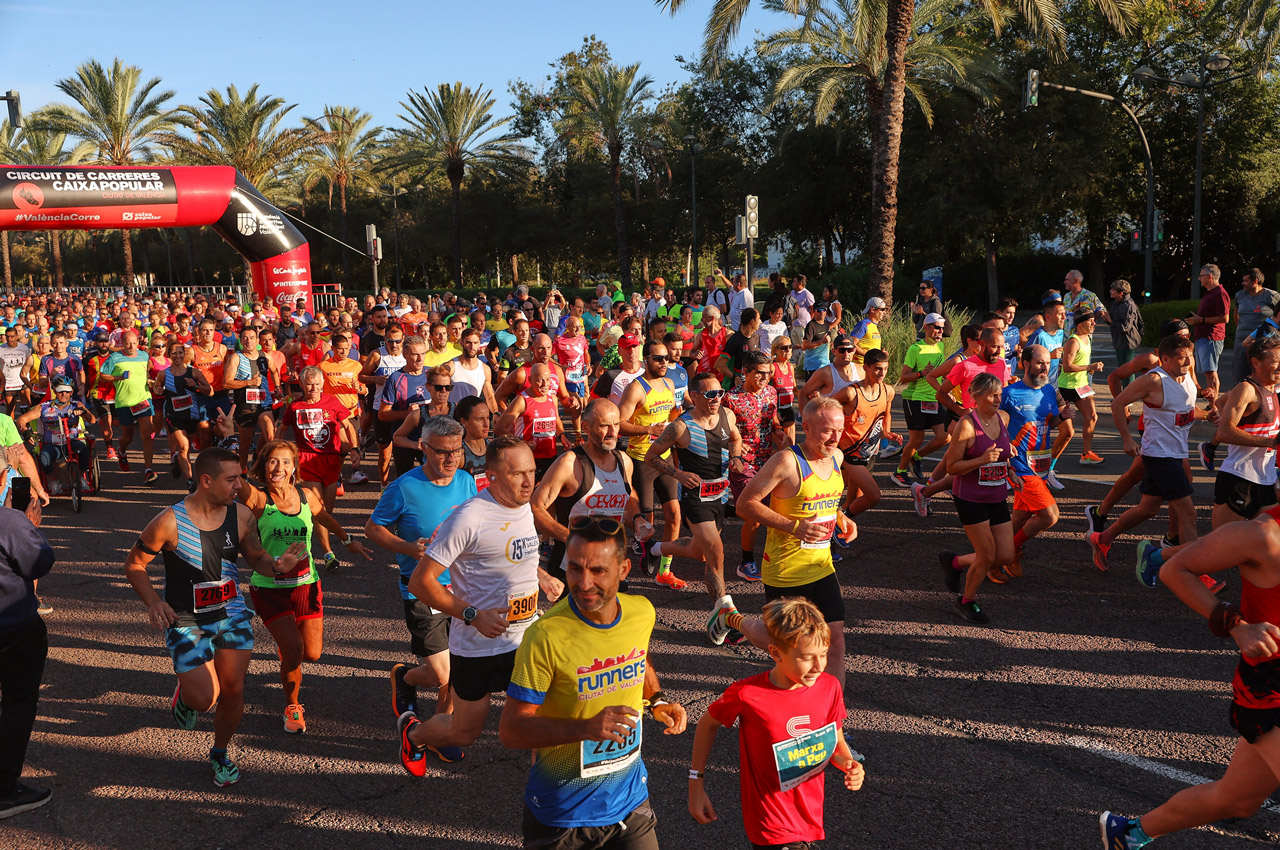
x: 986, y: 483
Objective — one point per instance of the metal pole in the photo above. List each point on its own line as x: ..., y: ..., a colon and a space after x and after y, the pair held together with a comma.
x: 1195, y: 228
x: 374, y: 263
x: 750, y: 264
x: 693, y: 168
x: 395, y: 230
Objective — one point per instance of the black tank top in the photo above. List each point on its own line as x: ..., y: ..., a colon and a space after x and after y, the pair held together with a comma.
x: 201, y: 579
x: 707, y: 455
x: 257, y: 369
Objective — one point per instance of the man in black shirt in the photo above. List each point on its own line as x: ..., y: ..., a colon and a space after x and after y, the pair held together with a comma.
x: 373, y: 339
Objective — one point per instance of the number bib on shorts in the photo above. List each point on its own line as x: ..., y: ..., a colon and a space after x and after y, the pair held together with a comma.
x: 800, y: 759
x: 213, y: 595
x: 1085, y: 391
x: 828, y: 526
x: 993, y: 474
x: 523, y: 608
x: 713, y: 491
x: 181, y: 403
x: 928, y: 407
x: 254, y: 395
x: 142, y: 408
x: 597, y: 758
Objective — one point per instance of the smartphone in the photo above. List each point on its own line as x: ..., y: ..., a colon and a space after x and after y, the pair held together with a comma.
x: 21, y: 493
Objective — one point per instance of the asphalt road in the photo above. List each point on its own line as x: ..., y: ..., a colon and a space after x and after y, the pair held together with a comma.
x: 1087, y: 692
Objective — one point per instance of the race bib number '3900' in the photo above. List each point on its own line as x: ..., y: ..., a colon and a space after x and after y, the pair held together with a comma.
x: 597, y: 758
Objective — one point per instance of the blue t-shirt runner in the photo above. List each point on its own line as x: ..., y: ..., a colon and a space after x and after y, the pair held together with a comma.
x: 413, y: 508
x: 1029, y: 409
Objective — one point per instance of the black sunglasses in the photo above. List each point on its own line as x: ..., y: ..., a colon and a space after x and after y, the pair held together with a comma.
x: 443, y: 388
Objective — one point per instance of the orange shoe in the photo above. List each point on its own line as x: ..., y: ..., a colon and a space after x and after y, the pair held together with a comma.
x: 1090, y: 458
x: 1014, y: 570
x: 294, y: 722
x: 671, y: 580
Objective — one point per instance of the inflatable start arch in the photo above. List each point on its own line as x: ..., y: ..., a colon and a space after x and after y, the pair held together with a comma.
x: 99, y: 197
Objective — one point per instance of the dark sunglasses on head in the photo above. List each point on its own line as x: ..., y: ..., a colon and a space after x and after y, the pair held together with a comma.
x: 605, y: 524
x: 711, y: 395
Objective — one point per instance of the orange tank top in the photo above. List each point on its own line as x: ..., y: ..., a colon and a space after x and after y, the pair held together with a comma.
x: 209, y: 364
x: 865, y: 425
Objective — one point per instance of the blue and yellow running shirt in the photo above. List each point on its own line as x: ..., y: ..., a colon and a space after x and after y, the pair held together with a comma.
x: 574, y: 669
x: 1029, y: 409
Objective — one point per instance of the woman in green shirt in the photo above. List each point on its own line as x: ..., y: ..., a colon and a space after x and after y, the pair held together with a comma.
x: 1073, y: 379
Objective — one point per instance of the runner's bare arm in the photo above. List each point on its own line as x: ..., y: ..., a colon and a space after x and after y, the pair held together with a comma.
x: 1241, y: 401
x: 631, y: 398
x: 511, y: 384
x: 161, y: 533
x: 843, y: 760
x: 1135, y: 365
x: 670, y: 436
x: 704, y: 738
x: 21, y: 458
x: 521, y: 727
x: 402, y: 436
x: 425, y: 584
x: 557, y: 483
x: 779, y: 474
x: 632, y: 510
x: 1139, y: 390
x: 506, y: 423
x: 818, y: 384
x: 229, y: 380
x: 735, y: 441
x: 489, y: 398
x: 670, y: 714
x: 961, y: 438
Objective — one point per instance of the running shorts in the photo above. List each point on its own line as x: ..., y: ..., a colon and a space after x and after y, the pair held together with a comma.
x: 194, y: 646
x: 648, y: 483
x: 576, y: 388
x: 474, y: 678
x: 247, y: 416
x: 694, y: 510
x: 976, y: 513
x: 824, y: 593
x: 324, y: 468
x: 208, y: 406
x: 1033, y: 496
x: 1263, y: 681
x: 920, y: 420
x: 428, y: 630
x: 1242, y: 496
x: 1164, y: 477
x: 383, y: 431
x: 637, y: 831
x: 126, y: 415
x: 304, y: 602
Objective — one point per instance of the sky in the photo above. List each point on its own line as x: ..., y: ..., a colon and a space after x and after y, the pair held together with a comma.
x: 365, y: 54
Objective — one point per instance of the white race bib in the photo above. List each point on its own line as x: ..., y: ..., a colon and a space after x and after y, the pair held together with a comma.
x: 598, y: 758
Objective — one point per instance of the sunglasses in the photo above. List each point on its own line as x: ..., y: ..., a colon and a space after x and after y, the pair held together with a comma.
x: 605, y: 524
x: 783, y: 348
x: 712, y: 395
x: 395, y: 342
x: 846, y: 350
x: 764, y: 373
x: 442, y: 388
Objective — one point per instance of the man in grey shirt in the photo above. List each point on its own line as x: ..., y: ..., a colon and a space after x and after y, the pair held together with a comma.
x: 1254, y: 305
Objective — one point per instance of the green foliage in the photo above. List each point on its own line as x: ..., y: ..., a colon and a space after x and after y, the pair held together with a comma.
x: 1153, y: 315
x: 898, y: 332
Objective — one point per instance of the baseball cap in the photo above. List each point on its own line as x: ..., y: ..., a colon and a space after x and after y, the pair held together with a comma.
x: 62, y: 387
x: 628, y: 341
x: 101, y: 335
x: 657, y: 281
x: 821, y: 305
x: 843, y: 339
x: 934, y: 319
x: 875, y: 303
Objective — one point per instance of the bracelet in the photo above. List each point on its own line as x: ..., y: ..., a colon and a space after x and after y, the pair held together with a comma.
x: 1224, y: 618
x: 795, y: 527
x: 696, y: 774
x: 658, y: 698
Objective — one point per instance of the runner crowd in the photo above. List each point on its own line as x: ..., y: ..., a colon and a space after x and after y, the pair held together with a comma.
x: 529, y: 452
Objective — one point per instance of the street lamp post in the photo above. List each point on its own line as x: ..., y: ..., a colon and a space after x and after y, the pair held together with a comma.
x: 1209, y: 65
x: 692, y: 146
x: 396, y: 192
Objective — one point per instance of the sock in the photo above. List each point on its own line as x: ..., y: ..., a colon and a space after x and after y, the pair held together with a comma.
x: 734, y: 620
x: 1138, y: 837
x: 1020, y: 539
x: 917, y: 456
x: 955, y: 563
x: 1053, y: 464
x: 218, y: 753
x: 1156, y: 557
x: 664, y: 566
x: 964, y: 600
x: 656, y: 548
x: 748, y: 557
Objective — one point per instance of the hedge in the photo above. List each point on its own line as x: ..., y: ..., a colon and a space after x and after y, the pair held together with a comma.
x: 1153, y: 315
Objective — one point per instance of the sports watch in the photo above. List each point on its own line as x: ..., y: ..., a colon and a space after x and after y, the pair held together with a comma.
x: 469, y: 614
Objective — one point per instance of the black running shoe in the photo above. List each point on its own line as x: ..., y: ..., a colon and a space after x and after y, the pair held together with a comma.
x: 917, y: 468
x: 970, y: 612
x: 950, y: 575
x: 404, y: 696
x: 1207, y: 455
x: 1097, y: 522
x: 734, y: 637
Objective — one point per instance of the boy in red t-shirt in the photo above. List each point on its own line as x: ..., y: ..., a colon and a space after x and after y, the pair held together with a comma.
x: 788, y: 730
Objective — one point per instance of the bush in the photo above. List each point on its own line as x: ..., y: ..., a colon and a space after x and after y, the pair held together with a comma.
x: 898, y: 333
x: 1153, y: 315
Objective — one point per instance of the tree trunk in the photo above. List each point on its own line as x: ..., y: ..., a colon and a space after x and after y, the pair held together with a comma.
x: 4, y: 249
x: 57, y: 257
x: 884, y: 185
x: 515, y: 270
x: 128, y: 259
x: 644, y: 265
x: 828, y: 255
x: 455, y: 185
x: 993, y: 281
x: 620, y: 218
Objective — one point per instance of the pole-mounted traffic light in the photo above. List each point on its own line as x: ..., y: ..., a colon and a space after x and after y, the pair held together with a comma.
x: 1031, y: 89
x: 1135, y: 240
x: 1157, y: 227
x: 753, y: 217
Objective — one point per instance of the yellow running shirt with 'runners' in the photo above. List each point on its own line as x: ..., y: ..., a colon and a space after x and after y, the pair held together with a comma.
x: 659, y: 401
x: 788, y: 561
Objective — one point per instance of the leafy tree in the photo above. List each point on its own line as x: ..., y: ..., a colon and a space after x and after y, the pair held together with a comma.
x: 344, y: 157
x: 39, y: 147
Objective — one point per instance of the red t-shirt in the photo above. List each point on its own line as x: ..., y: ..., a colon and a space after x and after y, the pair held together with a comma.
x: 1215, y: 302
x: 963, y: 373
x: 785, y: 739
x: 318, y: 427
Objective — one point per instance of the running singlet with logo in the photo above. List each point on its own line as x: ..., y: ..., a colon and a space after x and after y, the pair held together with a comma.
x: 1256, y: 463
x: 988, y: 483
x: 92, y: 368
x: 388, y: 363
x: 1166, y: 427
x: 209, y: 364
x: 178, y: 398
x: 51, y: 418
x: 537, y: 425
x: 403, y: 391
x: 413, y: 507
x: 201, y: 579
x: 599, y: 493
x: 11, y: 362
x: 706, y: 456
x: 654, y: 409
x: 255, y: 370
x: 571, y: 354
x: 712, y: 347
x: 279, y: 531
x: 317, y: 426
x: 491, y: 552
x: 789, y: 561
x: 1029, y: 410
x: 865, y: 425
x: 755, y: 413
x: 574, y: 669
x: 786, y: 738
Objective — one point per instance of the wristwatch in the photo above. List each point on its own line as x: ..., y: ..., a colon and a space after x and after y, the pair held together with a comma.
x: 469, y: 614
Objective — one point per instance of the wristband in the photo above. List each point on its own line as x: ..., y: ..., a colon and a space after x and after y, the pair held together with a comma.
x: 1224, y: 618
x: 795, y: 528
x: 658, y: 698
x: 696, y: 774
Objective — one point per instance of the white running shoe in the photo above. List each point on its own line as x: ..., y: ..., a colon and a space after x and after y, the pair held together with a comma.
x: 1052, y: 480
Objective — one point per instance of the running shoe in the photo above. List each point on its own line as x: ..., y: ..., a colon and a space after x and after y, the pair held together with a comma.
x: 901, y: 478
x: 1014, y: 570
x: 951, y: 577
x: 341, y: 492
x: 1147, y: 572
x: 43, y: 607
x: 1115, y: 832
x: 671, y: 580
x: 330, y: 561
x: 359, y: 477
x: 734, y: 637
x: 920, y: 499
x: 970, y: 612
x: 917, y: 467
x: 649, y: 561
x: 123, y: 460
x: 183, y: 714
x: 23, y: 799
x: 1168, y: 542
x: 888, y: 448
x: 412, y: 757
x: 150, y: 476
x: 448, y: 753
x: 717, y: 628
x: 1052, y: 480
x: 1100, y: 551
x: 404, y: 696
x: 111, y: 453
x: 225, y: 771
x: 997, y: 575
x: 1097, y: 522
x: 1215, y: 585
x: 294, y: 721
x: 749, y: 571
x: 175, y: 466
x: 1090, y: 458
x: 1207, y: 452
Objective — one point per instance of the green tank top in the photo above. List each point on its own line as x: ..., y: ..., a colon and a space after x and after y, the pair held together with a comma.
x: 279, y: 531
x: 1083, y: 356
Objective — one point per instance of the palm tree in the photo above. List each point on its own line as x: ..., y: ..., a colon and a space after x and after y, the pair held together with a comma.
x: 606, y: 106
x: 38, y: 147
x: 452, y: 132
x: 344, y: 159
x: 7, y: 137
x: 243, y: 132
x: 116, y: 113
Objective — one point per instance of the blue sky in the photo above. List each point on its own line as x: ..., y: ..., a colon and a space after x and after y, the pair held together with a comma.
x: 365, y: 54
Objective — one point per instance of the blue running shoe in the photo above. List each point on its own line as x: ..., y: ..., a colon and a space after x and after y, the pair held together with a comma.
x: 1117, y: 833
x: 1147, y: 572
x: 183, y: 715
x: 749, y: 571
x: 225, y: 771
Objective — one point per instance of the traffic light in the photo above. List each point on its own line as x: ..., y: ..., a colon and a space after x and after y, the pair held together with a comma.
x: 753, y: 217
x: 1157, y: 227
x: 739, y: 230
x: 1135, y: 240
x: 1031, y: 89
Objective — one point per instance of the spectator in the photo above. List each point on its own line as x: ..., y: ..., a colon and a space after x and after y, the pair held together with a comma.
x: 1254, y: 305
x: 1126, y: 323
x: 1077, y: 298
x: 802, y: 300
x: 926, y: 302
x: 1209, y: 326
x: 742, y: 298
x: 24, y: 643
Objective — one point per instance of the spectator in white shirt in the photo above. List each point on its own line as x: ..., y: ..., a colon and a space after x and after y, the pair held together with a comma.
x: 740, y: 299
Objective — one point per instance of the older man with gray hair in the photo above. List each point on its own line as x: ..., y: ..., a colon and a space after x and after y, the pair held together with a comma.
x: 1209, y: 326
x: 1076, y: 297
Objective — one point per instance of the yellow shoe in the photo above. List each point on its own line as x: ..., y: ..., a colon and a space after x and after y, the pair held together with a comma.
x: 294, y: 723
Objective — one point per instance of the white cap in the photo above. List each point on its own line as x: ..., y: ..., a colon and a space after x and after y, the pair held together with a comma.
x: 875, y: 303
x: 934, y: 319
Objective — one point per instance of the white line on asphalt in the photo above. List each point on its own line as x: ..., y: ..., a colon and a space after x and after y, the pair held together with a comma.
x: 1145, y: 764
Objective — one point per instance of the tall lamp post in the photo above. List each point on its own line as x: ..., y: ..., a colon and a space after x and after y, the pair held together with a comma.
x: 692, y: 147
x: 1210, y: 64
x: 395, y: 192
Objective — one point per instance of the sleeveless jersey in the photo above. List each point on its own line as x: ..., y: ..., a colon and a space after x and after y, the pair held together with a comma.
x: 865, y: 425
x: 655, y: 409
x: 1256, y: 463
x: 342, y: 380
x: 537, y: 426
x: 306, y: 356
x: 1167, y: 426
x: 1257, y: 680
x: 785, y: 383
x: 989, y: 482
x: 599, y: 493
x: 201, y: 579
x: 837, y: 380
x: 279, y: 531
x: 712, y: 348
x: 179, y: 398
x: 707, y: 456
x: 467, y: 382
x: 789, y: 561
x: 388, y: 363
x: 209, y: 364
x: 255, y: 396
x: 474, y: 463
x: 1084, y: 353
